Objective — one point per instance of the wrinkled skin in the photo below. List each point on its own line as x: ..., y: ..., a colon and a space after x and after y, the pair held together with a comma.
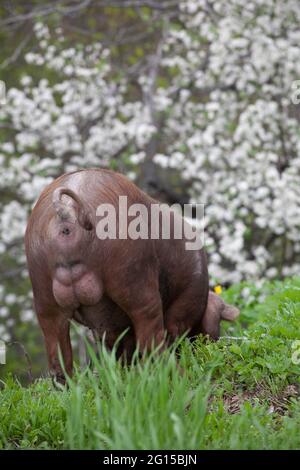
x: 157, y: 288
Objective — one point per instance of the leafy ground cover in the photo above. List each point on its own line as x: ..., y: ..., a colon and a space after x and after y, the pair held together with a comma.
x: 239, y: 393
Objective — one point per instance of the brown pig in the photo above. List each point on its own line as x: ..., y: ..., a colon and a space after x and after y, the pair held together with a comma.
x: 154, y: 286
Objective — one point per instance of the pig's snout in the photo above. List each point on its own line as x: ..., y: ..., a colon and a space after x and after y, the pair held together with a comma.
x: 74, y: 285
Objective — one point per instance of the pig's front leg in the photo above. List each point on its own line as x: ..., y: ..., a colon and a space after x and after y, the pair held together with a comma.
x: 56, y: 329
x: 186, y: 311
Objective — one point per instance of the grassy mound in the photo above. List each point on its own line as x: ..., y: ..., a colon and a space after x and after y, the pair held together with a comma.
x: 239, y: 393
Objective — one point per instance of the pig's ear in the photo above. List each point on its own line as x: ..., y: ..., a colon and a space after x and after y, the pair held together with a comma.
x: 230, y: 313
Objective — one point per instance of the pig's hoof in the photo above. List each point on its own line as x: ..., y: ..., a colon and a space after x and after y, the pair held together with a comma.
x: 58, y: 381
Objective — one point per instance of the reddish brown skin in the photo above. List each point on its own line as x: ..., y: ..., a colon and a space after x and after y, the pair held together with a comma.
x: 156, y: 288
x: 110, y: 321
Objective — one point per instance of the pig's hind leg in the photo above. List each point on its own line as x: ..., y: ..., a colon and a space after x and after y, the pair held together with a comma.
x: 142, y: 303
x: 55, y: 325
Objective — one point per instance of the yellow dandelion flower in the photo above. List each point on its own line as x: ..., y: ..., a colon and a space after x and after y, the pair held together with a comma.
x: 218, y: 290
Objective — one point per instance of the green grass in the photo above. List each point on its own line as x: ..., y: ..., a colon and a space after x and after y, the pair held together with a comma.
x: 238, y: 393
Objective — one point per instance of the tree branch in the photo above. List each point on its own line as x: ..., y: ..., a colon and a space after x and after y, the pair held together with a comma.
x: 16, y: 54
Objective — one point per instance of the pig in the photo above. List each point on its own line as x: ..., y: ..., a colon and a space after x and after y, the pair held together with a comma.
x: 154, y: 287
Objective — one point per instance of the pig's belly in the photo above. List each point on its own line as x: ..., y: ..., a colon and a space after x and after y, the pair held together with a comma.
x: 106, y: 319
x: 76, y: 285
x: 104, y: 316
